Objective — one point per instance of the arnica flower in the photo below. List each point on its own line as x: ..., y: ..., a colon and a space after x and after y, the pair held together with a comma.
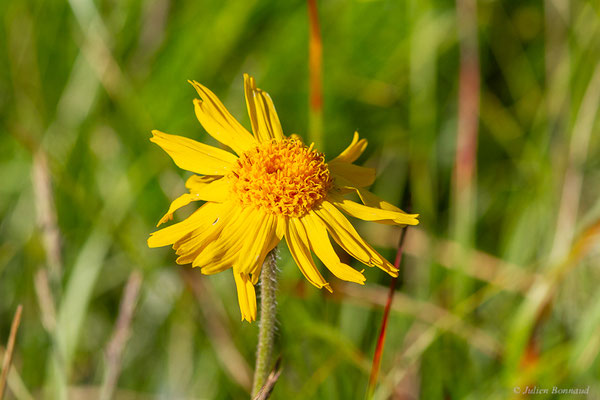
x: 273, y: 187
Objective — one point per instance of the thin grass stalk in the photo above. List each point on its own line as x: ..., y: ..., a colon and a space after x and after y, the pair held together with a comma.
x: 386, y: 314
x: 10, y: 346
x: 572, y: 186
x: 46, y: 216
x: 465, y: 165
x: 116, y: 346
x: 268, y: 314
x: 315, y: 67
x: 381, y: 340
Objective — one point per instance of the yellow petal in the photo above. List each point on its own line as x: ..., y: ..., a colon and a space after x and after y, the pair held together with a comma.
x: 218, y: 191
x: 224, y: 250
x: 173, y: 233
x: 246, y: 297
x: 221, y: 264
x: 368, y: 198
x: 281, y: 227
x: 194, y: 156
x: 229, y: 242
x: 373, y: 214
x: 196, y: 182
x: 277, y: 235
x: 259, y: 238
x: 179, y: 202
x: 263, y: 117
x: 353, y: 151
x: 371, y: 200
x: 219, y: 123
x: 297, y: 242
x: 356, y: 175
x: 321, y: 246
x: 342, y: 231
x: 192, y: 244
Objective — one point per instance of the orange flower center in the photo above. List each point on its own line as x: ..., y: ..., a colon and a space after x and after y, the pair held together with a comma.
x: 281, y: 177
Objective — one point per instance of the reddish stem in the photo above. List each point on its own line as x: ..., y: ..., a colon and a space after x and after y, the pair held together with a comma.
x: 315, y: 57
x: 384, y: 322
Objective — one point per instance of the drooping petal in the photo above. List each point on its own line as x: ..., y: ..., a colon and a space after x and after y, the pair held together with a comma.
x: 194, y: 156
x: 192, y: 244
x: 321, y: 246
x: 217, y: 265
x: 179, y: 202
x: 369, y: 199
x: 229, y: 241
x: 342, y: 231
x: 297, y: 241
x: 246, y: 296
x: 260, y: 234
x: 219, y: 123
x: 358, y: 176
x: 281, y: 227
x: 277, y: 235
x: 171, y: 234
x: 228, y: 254
x: 263, y: 117
x: 353, y: 151
x: 367, y: 213
x: 217, y: 191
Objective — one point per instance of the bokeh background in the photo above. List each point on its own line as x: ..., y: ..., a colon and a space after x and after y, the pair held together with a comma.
x: 480, y: 115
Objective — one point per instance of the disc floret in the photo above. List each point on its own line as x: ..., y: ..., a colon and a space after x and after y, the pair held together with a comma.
x: 282, y: 177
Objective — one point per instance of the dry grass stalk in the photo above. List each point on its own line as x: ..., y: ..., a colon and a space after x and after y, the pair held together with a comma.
x: 114, y: 350
x: 45, y: 300
x: 10, y: 349
x: 46, y: 213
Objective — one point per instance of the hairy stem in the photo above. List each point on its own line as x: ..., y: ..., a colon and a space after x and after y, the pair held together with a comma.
x: 268, y: 312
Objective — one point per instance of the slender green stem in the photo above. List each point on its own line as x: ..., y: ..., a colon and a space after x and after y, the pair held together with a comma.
x: 268, y: 313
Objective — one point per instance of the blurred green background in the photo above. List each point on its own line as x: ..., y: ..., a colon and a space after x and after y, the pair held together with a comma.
x: 499, y: 285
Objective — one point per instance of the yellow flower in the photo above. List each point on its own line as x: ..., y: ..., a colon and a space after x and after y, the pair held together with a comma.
x: 275, y: 187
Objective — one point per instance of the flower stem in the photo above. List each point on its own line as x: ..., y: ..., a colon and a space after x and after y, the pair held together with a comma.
x: 268, y: 312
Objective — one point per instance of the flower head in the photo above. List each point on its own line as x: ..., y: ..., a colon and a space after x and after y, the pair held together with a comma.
x: 281, y: 177
x: 276, y: 187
